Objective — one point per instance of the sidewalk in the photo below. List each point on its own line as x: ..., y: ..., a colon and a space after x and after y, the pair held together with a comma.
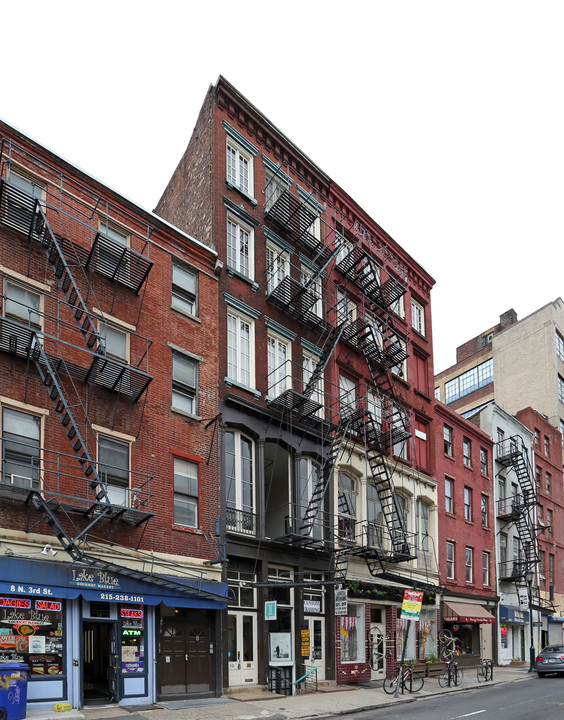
x: 337, y: 701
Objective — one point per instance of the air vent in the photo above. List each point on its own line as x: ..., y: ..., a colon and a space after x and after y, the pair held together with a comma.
x: 100, y: 609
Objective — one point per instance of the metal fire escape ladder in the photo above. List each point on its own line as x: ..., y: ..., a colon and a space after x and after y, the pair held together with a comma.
x: 41, y: 230
x: 513, y: 454
x: 330, y: 345
x: 52, y: 382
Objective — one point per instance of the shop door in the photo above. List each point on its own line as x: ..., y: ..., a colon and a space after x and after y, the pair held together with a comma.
x: 377, y: 651
x: 100, y: 663
x: 316, y: 627
x: 242, y: 648
x: 184, y: 658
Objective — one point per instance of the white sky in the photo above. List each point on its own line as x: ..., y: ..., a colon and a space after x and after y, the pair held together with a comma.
x: 443, y: 119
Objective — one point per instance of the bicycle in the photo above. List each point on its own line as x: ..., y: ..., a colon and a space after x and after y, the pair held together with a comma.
x: 485, y: 670
x: 448, y: 646
x: 452, y: 675
x: 408, y: 679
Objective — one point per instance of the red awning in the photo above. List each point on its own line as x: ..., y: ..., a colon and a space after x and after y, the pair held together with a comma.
x: 466, y: 613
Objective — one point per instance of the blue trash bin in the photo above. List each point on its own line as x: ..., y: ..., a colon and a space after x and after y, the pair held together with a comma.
x: 13, y: 690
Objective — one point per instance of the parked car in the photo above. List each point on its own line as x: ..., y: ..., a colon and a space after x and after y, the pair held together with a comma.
x: 550, y: 659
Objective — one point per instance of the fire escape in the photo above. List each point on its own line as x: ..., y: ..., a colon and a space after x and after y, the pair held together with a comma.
x: 377, y: 430
x: 518, y: 509
x: 55, y: 490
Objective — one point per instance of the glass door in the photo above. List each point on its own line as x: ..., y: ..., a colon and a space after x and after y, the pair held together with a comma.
x: 316, y: 628
x: 377, y: 651
x: 242, y: 648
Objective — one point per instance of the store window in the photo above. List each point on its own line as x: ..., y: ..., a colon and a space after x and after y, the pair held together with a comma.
x: 32, y: 633
x: 428, y: 634
x: 352, y: 634
x: 132, y: 639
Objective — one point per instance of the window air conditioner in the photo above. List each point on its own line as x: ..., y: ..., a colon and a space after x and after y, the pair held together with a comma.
x: 21, y: 480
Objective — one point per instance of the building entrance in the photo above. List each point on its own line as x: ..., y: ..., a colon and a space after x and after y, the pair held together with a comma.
x: 185, y: 656
x: 99, y: 663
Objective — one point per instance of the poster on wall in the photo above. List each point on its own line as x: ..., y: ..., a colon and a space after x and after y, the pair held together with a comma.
x: 280, y: 648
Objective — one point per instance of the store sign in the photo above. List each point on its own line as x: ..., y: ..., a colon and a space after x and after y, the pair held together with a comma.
x: 131, y: 613
x: 312, y: 606
x: 341, y: 602
x: 15, y: 603
x: 305, y: 642
x: 411, y: 606
x: 49, y: 605
x: 97, y: 579
x: 270, y: 610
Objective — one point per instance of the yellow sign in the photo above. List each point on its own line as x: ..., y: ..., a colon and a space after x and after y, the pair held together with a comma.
x: 411, y: 606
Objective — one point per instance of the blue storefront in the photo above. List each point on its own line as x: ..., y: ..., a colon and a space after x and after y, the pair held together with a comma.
x: 92, y: 636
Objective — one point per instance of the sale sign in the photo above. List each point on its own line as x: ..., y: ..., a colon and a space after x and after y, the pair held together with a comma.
x: 411, y: 606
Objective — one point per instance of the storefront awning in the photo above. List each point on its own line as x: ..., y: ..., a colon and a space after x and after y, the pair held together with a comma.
x: 58, y: 580
x: 466, y: 613
x: 511, y: 614
x: 555, y: 619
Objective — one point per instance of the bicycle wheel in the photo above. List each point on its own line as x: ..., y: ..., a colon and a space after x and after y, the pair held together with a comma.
x: 390, y: 683
x: 482, y: 674
x: 446, y: 652
x: 457, y: 676
x: 414, y: 682
x: 445, y: 635
x: 443, y: 678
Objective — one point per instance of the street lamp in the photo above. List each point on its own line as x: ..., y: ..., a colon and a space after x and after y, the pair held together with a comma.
x: 529, y: 577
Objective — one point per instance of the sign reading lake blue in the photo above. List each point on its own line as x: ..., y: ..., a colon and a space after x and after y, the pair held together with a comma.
x: 97, y: 579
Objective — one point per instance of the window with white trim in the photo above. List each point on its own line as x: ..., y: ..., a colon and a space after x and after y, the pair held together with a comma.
x: 418, y: 317
x: 184, y: 383
x: 18, y: 214
x: 186, y: 492
x: 345, y: 247
x: 115, y: 340
x: 469, y: 565
x: 309, y: 219
x: 450, y: 560
x: 398, y: 307
x: 468, y: 504
x: 400, y: 369
x: 308, y: 481
x: 347, y: 395
x: 346, y: 309
x: 374, y: 407
x: 309, y: 363
x: 347, y: 501
x: 184, y: 289
x: 485, y: 568
x: 561, y: 388
x: 279, y: 351
x: 449, y: 496
x: 559, y: 345
x: 239, y: 482
x: 275, y: 186
x: 110, y: 258
x: 22, y: 304
x: 113, y: 468
x: 240, y: 247
x: 306, y: 277
x: 467, y: 452
x: 21, y: 454
x: 277, y: 266
x: 422, y: 525
x: 239, y: 167
x: 240, y: 349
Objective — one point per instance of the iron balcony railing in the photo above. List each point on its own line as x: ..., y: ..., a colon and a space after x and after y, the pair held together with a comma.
x: 239, y: 521
x: 512, y: 569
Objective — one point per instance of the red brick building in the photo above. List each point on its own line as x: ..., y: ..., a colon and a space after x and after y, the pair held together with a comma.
x: 325, y: 372
x: 109, y: 449
x: 549, y: 580
x: 467, y: 552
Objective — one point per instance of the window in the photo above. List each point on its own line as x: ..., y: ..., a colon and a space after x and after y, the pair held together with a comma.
x: 484, y: 461
x: 537, y: 439
x: 184, y: 289
x: 18, y: 212
x: 278, y: 358
x: 21, y: 448
x: 561, y: 389
x: 538, y: 476
x: 399, y: 423
x: 346, y: 309
x: 547, y: 446
x: 562, y: 432
x: 468, y: 504
x: 448, y: 444
x: 239, y: 167
x: 353, y: 646
x: 22, y: 304
x: 115, y: 340
x: 400, y: 368
x: 398, y: 307
x: 309, y: 478
x: 240, y: 349
x: 438, y: 394
x: 469, y: 381
x: 240, y: 248
x: 239, y: 480
x: 375, y: 516
x: 347, y: 395
x: 277, y: 267
x: 550, y: 569
x: 113, y: 468
x: 449, y: 496
x: 347, y: 506
x: 309, y: 220
x: 314, y: 287
x: 422, y: 525
x: 184, y: 383
x: 422, y: 458
x: 503, y: 551
x: 111, y: 258
x: 241, y: 592
x: 485, y: 508
x: 548, y: 483
x: 185, y: 493
x: 541, y: 567
x: 467, y: 452
x: 559, y: 345
x: 275, y: 186
x: 309, y: 363
x: 402, y: 508
x: 374, y: 407
x: 421, y: 373
x: 549, y: 522
x: 345, y: 247
x: 485, y: 568
x: 469, y: 565
x: 450, y: 560
x: 418, y: 317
